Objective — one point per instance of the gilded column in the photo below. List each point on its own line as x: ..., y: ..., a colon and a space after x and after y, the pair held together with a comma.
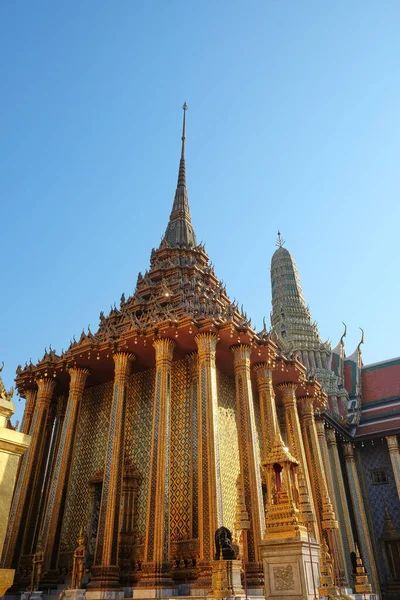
x: 209, y: 483
x: 327, y: 518
x: 24, y: 492
x: 395, y: 459
x: 55, y: 435
x: 360, y: 516
x: 105, y: 571
x: 307, y: 505
x: 342, y: 500
x: 193, y: 372
x: 342, y: 572
x: 269, y: 419
x: 249, y: 465
x: 28, y: 412
x: 33, y: 515
x: 156, y: 570
x: 58, y: 486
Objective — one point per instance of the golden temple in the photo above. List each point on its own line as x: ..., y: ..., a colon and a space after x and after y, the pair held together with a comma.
x: 175, y: 418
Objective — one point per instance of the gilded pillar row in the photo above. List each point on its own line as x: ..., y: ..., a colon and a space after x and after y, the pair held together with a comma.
x: 360, y: 516
x: 28, y: 412
x: 308, y: 502
x: 33, y: 514
x: 343, y: 555
x: 105, y: 572
x: 30, y: 463
x: 54, y: 511
x: 248, y: 454
x: 393, y: 446
x: 209, y: 483
x: 156, y: 549
x: 342, y: 500
x: 54, y: 442
x: 327, y: 519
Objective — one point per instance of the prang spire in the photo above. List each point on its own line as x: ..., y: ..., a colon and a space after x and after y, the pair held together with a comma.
x: 179, y: 232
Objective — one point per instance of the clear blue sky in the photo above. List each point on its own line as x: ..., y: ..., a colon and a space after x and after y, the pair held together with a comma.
x: 293, y: 123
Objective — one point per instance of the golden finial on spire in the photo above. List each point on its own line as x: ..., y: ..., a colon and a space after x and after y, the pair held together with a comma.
x: 280, y: 241
x: 184, y: 108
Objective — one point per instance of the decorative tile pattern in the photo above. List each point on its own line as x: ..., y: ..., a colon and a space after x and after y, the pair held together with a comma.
x: 228, y: 446
x: 379, y: 496
x: 180, y: 457
x: 139, y: 415
x: 87, y: 460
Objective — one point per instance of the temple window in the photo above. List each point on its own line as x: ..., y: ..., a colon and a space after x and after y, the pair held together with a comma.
x: 379, y: 476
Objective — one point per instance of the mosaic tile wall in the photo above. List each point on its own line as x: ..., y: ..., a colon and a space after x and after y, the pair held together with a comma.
x: 377, y: 457
x: 88, y: 458
x: 180, y: 459
x: 139, y: 416
x: 228, y: 446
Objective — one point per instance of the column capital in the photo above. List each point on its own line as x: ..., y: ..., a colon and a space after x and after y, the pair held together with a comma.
x: 164, y: 349
x: 348, y: 452
x: 288, y: 390
x: 206, y: 342
x: 122, y: 360
x: 331, y: 437
x: 241, y: 356
x: 263, y: 372
x: 306, y: 407
x: 30, y: 395
x: 78, y: 378
x: 46, y: 387
x: 392, y: 443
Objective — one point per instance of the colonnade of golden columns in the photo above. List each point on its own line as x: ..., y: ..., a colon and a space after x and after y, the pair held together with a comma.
x: 156, y: 549
x: 393, y: 446
x: 26, y: 488
x: 327, y: 518
x: 209, y: 474
x: 296, y: 447
x: 343, y: 572
x: 57, y: 491
x: 249, y: 465
x: 341, y: 500
x: 105, y: 572
x: 59, y: 407
x: 360, y: 516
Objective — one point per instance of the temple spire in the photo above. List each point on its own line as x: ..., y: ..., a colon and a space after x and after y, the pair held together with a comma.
x: 182, y: 165
x: 179, y: 232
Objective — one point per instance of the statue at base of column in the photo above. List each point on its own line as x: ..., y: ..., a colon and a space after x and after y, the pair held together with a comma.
x: 78, y: 565
x: 37, y: 564
x: 223, y: 544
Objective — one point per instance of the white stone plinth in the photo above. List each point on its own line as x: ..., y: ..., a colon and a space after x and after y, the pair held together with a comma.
x: 103, y: 595
x: 289, y: 570
x: 31, y: 595
x: 160, y: 592
x: 74, y: 595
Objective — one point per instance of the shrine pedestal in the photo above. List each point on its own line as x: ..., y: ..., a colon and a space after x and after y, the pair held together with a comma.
x: 291, y: 568
x: 226, y: 579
